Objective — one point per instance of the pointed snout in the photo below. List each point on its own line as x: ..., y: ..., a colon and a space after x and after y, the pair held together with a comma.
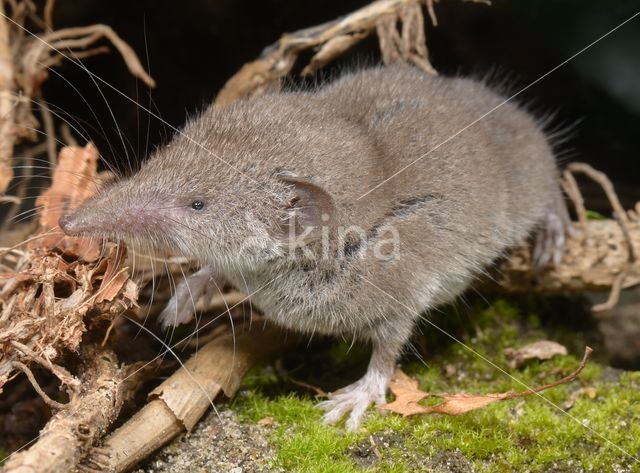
x: 87, y: 219
x: 113, y: 214
x: 69, y: 224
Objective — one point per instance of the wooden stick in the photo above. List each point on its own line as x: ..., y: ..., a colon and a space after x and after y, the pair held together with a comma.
x: 332, y: 39
x: 619, y: 212
x: 71, y: 432
x: 593, y: 260
x: 7, y: 103
x: 178, y: 403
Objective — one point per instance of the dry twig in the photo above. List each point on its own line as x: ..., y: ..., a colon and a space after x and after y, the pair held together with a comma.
x: 36, y: 386
x: 331, y: 39
x: 24, y: 63
x: 601, y: 256
x: 618, y: 212
x: 178, y: 403
x: 73, y: 430
x: 7, y: 103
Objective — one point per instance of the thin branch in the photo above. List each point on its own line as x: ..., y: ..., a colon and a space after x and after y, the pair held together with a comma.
x: 60, y: 372
x: 50, y: 133
x: 32, y: 379
x: 48, y: 14
x: 614, y: 295
x: 7, y: 103
x: 67, y: 136
x: 179, y: 402
x: 619, y: 213
x: 571, y: 188
x: 380, y: 16
x: 95, y: 32
x: 71, y: 432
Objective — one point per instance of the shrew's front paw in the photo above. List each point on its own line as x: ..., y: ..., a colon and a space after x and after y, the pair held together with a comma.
x: 182, y: 306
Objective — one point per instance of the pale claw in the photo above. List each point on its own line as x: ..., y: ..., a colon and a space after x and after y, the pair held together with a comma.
x: 181, y: 307
x: 355, y: 399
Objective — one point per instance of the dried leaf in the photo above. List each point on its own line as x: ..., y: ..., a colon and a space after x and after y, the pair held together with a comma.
x: 589, y: 392
x: 541, y: 350
x: 408, y: 395
x: 457, y: 404
x: 74, y: 180
x: 111, y: 287
x: 266, y: 422
x: 114, y: 277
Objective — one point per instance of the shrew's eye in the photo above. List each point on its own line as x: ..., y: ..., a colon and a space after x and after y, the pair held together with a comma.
x: 197, y: 205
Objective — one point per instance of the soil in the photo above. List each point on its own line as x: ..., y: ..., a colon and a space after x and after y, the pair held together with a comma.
x: 219, y: 443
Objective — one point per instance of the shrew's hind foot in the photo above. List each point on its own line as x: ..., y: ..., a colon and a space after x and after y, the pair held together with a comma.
x: 550, y: 237
x: 353, y: 399
x: 370, y: 389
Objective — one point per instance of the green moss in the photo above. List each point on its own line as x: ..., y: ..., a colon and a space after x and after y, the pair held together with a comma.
x: 303, y: 442
x: 527, y: 434
x: 593, y: 215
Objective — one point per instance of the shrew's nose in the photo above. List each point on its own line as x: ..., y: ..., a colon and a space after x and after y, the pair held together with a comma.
x: 66, y: 223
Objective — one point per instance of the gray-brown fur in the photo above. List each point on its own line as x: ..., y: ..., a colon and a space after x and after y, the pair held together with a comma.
x: 455, y: 210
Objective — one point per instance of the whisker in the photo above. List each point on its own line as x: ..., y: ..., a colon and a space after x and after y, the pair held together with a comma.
x: 212, y: 321
x: 95, y: 78
x: 77, y: 60
x: 84, y: 99
x: 191, y: 298
x: 146, y: 53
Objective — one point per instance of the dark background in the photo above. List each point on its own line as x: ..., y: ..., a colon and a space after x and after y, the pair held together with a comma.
x: 192, y: 47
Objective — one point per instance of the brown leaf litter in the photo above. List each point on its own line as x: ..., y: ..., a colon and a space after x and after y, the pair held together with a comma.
x: 540, y: 350
x: 52, y: 287
x: 408, y: 395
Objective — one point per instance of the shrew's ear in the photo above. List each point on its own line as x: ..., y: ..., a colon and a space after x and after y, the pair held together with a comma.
x: 310, y: 209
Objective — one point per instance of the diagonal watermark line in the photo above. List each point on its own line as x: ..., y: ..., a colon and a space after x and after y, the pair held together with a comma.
x: 503, y: 371
x: 500, y: 105
x: 142, y: 107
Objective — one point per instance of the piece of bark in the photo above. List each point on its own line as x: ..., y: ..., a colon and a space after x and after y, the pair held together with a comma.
x: 7, y: 103
x: 179, y: 402
x: 73, y: 430
x: 540, y: 350
x: 593, y: 260
x: 74, y: 180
